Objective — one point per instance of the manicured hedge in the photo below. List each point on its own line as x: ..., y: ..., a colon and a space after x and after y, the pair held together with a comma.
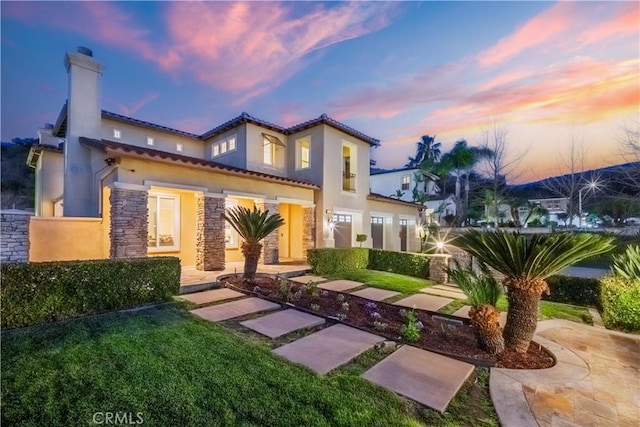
x: 46, y: 292
x: 573, y: 290
x: 620, y: 303
x: 336, y: 260
x: 409, y: 264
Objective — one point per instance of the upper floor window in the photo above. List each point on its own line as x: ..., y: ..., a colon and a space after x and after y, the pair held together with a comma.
x: 406, y: 181
x: 223, y: 146
x: 164, y: 222
x: 270, y: 146
x: 349, y: 167
x: 150, y: 140
x: 179, y: 147
x: 117, y: 133
x: 303, y: 148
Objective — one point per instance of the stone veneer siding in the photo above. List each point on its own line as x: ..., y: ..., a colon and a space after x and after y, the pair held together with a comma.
x: 14, y: 237
x: 308, y: 229
x: 210, y: 233
x: 271, y: 243
x: 129, y: 223
x: 437, y: 263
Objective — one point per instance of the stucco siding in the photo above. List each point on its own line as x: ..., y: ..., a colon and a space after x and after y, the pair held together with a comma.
x: 65, y: 239
x: 255, y: 151
x: 237, y: 157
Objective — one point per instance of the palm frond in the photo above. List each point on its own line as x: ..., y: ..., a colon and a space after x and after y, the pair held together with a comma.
x: 479, y: 288
x: 627, y: 264
x: 253, y: 225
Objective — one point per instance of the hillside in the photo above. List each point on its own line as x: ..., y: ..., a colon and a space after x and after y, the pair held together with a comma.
x: 16, y: 178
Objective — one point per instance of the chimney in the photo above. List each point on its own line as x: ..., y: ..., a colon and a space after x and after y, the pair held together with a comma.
x: 83, y: 119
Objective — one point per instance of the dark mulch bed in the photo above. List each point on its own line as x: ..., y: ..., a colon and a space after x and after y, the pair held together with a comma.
x: 439, y: 334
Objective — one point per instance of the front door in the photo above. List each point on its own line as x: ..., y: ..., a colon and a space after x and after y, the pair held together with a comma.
x: 377, y: 231
x: 342, y: 231
x: 403, y: 235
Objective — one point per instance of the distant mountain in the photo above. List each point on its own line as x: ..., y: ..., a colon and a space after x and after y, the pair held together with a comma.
x: 17, y: 180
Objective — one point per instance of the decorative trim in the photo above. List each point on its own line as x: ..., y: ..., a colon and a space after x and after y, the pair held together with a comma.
x: 244, y: 195
x: 175, y: 186
x: 127, y: 186
x: 212, y: 195
x: 304, y: 203
x: 337, y: 210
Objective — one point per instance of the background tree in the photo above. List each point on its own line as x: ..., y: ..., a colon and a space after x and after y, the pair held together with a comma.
x: 252, y: 226
x: 427, y: 150
x: 17, y: 178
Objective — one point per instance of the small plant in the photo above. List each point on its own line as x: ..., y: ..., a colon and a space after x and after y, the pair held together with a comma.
x: 324, y: 293
x: 257, y: 289
x: 340, y: 297
x: 360, y: 238
x: 345, y: 306
x: 296, y: 296
x: 411, y: 330
x: 375, y: 315
x: 379, y: 326
x: 284, y: 288
x: 627, y: 264
x: 311, y: 288
x: 371, y: 305
x: 341, y: 317
x: 403, y: 312
x: 315, y: 307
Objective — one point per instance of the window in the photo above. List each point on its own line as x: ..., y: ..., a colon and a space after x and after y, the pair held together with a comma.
x: 216, y: 150
x: 232, y: 143
x: 117, y: 133
x: 149, y: 140
x: 406, y: 181
x: 269, y: 152
x: 164, y: 222
x: 230, y: 234
x: 349, y: 166
x: 377, y: 220
x: 303, y: 146
x: 179, y: 147
x: 223, y: 147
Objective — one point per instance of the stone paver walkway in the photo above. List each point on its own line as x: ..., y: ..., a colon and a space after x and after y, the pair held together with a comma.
x: 595, y: 382
x: 277, y: 324
x: 426, y: 377
x: 329, y: 348
x: 308, y: 278
x: 229, y: 310
x: 375, y: 294
x: 464, y: 312
x: 444, y: 292
x: 424, y: 302
x: 340, y: 285
x: 212, y: 296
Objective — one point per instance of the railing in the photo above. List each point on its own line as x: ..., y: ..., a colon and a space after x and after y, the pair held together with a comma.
x: 349, y: 182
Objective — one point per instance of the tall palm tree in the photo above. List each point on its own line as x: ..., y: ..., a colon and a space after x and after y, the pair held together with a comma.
x: 252, y: 226
x: 526, y: 262
x: 482, y: 291
x: 427, y: 150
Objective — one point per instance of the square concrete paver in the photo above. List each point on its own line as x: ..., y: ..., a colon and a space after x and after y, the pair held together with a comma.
x: 424, y: 302
x: 444, y: 292
x: 277, y: 324
x: 306, y: 279
x: 340, y: 285
x: 426, y: 377
x: 229, y: 310
x: 464, y: 312
x: 329, y: 348
x: 375, y: 294
x: 212, y: 296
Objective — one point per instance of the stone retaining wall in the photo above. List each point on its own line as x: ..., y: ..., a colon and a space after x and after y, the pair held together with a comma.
x: 14, y: 237
x: 437, y: 263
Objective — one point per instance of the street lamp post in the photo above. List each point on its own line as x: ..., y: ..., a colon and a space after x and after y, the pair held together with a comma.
x: 589, y: 186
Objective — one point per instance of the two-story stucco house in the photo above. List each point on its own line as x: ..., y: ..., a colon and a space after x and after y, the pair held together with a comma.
x: 156, y: 190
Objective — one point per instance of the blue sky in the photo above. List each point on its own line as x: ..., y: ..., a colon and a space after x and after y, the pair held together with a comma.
x: 549, y: 72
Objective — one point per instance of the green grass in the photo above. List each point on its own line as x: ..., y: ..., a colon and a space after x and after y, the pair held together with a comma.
x: 176, y: 369
x: 383, y: 280
x: 555, y: 310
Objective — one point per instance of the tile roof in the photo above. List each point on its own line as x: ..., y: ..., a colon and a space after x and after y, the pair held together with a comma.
x: 241, y: 119
x: 376, y: 171
x: 106, y: 146
x: 381, y: 198
x: 334, y: 124
x: 125, y: 119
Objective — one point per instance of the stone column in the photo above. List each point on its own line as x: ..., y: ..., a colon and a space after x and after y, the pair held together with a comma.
x: 129, y: 222
x: 14, y: 236
x: 308, y: 229
x: 271, y: 243
x: 437, y: 264
x: 210, y: 233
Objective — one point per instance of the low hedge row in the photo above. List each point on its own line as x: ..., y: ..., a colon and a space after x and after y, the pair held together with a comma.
x: 46, y: 292
x: 409, y: 264
x: 620, y: 303
x: 573, y: 290
x: 336, y: 260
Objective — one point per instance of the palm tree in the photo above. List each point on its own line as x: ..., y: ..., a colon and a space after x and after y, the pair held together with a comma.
x: 526, y: 262
x: 252, y: 226
x: 482, y: 291
x: 427, y: 150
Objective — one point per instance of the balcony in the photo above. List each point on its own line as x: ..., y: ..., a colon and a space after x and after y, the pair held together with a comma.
x: 349, y: 182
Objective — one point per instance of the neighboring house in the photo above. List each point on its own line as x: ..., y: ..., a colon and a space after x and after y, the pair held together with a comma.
x: 145, y: 189
x: 442, y: 206
x: 389, y: 181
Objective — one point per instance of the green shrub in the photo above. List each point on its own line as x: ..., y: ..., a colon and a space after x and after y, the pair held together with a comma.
x: 46, y: 292
x: 409, y: 264
x: 336, y: 260
x: 627, y: 264
x: 573, y: 290
x: 620, y: 303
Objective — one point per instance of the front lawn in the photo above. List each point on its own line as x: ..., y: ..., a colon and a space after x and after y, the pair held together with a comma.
x: 383, y: 280
x: 176, y: 369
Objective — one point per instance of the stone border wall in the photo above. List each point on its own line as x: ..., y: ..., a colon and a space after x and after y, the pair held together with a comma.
x: 14, y: 236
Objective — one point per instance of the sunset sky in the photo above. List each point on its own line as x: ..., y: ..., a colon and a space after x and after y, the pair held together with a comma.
x: 549, y: 72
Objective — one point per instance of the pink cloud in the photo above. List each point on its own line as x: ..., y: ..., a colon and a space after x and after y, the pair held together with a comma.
x: 135, y: 106
x: 625, y: 22
x: 251, y: 48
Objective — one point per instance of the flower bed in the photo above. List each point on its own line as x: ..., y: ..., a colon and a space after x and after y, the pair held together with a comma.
x: 439, y: 333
